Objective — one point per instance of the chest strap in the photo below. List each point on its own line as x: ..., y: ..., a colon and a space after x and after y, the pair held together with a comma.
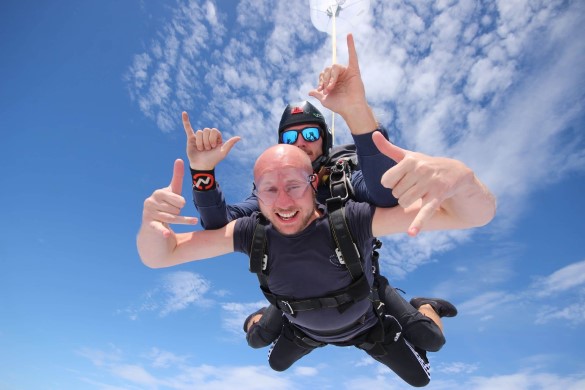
x: 340, y: 299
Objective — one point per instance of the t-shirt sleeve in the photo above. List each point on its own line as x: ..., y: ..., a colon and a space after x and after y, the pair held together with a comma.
x: 359, y: 217
x: 243, y: 234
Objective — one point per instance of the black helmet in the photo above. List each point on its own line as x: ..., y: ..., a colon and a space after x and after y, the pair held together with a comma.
x: 305, y: 112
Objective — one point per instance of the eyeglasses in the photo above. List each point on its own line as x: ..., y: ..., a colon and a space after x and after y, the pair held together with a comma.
x: 310, y: 134
x: 294, y: 189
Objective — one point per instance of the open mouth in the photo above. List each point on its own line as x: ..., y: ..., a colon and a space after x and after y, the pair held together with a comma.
x: 287, y: 216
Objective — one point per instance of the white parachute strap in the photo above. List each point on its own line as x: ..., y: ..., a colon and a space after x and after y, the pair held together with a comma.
x: 334, y: 61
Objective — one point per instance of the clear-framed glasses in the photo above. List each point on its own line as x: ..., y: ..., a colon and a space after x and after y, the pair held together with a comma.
x: 294, y: 189
x: 309, y: 133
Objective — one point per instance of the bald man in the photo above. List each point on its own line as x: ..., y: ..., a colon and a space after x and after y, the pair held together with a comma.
x: 302, y: 251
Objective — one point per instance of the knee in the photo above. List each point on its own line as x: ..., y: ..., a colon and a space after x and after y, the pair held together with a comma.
x: 278, y: 365
x: 420, y: 382
x: 434, y: 344
x: 255, y: 339
x: 425, y: 335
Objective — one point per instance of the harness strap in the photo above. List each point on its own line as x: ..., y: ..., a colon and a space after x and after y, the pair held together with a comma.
x: 341, y: 299
x: 258, y: 258
x: 342, y: 237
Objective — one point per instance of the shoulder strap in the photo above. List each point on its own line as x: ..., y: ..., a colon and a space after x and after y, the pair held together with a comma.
x: 341, y: 191
x: 258, y: 257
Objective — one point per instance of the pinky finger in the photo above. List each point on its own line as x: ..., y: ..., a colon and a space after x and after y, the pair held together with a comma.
x: 425, y: 213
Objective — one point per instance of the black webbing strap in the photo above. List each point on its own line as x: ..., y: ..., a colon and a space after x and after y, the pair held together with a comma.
x: 341, y: 299
x: 258, y: 249
x: 342, y: 236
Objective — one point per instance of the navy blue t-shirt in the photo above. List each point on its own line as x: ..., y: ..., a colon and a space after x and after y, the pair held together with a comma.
x: 305, y: 266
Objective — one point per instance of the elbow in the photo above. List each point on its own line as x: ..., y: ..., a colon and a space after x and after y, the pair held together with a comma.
x: 151, y: 262
x: 488, y: 211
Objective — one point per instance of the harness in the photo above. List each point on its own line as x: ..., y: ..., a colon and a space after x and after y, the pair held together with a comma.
x: 346, y: 250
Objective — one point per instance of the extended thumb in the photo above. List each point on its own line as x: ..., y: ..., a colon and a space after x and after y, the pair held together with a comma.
x: 388, y: 148
x: 229, y: 144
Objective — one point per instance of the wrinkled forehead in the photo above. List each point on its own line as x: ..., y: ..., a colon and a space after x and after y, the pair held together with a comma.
x: 275, y: 176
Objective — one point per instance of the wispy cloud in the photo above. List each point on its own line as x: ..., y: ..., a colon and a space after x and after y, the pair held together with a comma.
x: 147, y: 372
x: 234, y: 315
x: 496, y: 84
x: 558, y: 296
x: 176, y: 291
x: 566, y: 278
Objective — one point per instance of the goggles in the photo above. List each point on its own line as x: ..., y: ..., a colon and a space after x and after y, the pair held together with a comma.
x: 294, y: 189
x: 310, y: 134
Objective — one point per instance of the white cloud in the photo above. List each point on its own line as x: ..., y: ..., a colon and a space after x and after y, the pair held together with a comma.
x: 486, y: 303
x: 457, y: 368
x: 181, y: 375
x: 176, y: 291
x: 165, y: 359
x: 306, y: 371
x: 183, y: 289
x: 235, y: 314
x: 566, y: 278
x: 573, y: 314
x: 495, y: 84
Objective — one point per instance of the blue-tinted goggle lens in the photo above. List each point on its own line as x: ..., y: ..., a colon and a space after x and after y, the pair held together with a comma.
x: 310, y: 134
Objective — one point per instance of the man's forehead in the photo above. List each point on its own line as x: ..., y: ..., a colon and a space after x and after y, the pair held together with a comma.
x: 281, y: 173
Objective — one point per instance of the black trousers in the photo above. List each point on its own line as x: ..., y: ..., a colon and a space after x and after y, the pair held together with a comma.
x: 418, y: 329
x: 394, y: 351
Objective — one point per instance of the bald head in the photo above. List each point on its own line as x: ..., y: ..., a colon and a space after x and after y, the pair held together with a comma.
x: 282, y: 156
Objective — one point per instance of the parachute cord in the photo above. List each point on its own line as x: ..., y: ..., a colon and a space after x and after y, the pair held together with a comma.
x: 334, y: 61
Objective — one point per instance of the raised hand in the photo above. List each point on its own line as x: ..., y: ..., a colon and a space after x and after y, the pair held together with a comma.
x: 205, y: 148
x: 164, y: 206
x: 419, y: 176
x: 341, y: 90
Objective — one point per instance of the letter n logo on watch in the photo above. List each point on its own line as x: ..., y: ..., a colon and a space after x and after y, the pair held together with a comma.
x: 203, y: 181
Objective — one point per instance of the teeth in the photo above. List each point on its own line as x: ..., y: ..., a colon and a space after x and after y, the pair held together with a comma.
x: 286, y: 215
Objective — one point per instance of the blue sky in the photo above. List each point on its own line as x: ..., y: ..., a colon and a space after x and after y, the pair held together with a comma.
x: 91, y: 95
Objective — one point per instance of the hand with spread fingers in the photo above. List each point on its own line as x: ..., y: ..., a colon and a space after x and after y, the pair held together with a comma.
x: 438, y: 183
x: 164, y: 206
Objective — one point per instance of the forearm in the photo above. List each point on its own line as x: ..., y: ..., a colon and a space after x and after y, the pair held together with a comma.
x: 212, y: 208
x: 215, y: 213
x: 360, y: 118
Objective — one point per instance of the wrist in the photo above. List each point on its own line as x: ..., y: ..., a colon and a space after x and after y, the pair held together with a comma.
x: 203, y: 180
x: 360, y: 119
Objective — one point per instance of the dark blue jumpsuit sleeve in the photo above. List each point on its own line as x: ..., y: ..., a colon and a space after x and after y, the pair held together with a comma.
x: 373, y: 164
x: 215, y: 213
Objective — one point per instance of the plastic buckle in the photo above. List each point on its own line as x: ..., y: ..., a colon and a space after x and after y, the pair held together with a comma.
x: 289, y: 307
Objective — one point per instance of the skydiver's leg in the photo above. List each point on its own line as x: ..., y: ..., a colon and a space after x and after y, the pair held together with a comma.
x: 289, y: 348
x: 407, y: 361
x: 263, y: 326
x: 423, y: 327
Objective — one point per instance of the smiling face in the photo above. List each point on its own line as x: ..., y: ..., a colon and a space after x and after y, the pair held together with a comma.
x: 286, y: 199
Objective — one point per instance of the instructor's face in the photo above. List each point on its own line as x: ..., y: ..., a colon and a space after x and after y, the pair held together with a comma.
x: 314, y: 149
